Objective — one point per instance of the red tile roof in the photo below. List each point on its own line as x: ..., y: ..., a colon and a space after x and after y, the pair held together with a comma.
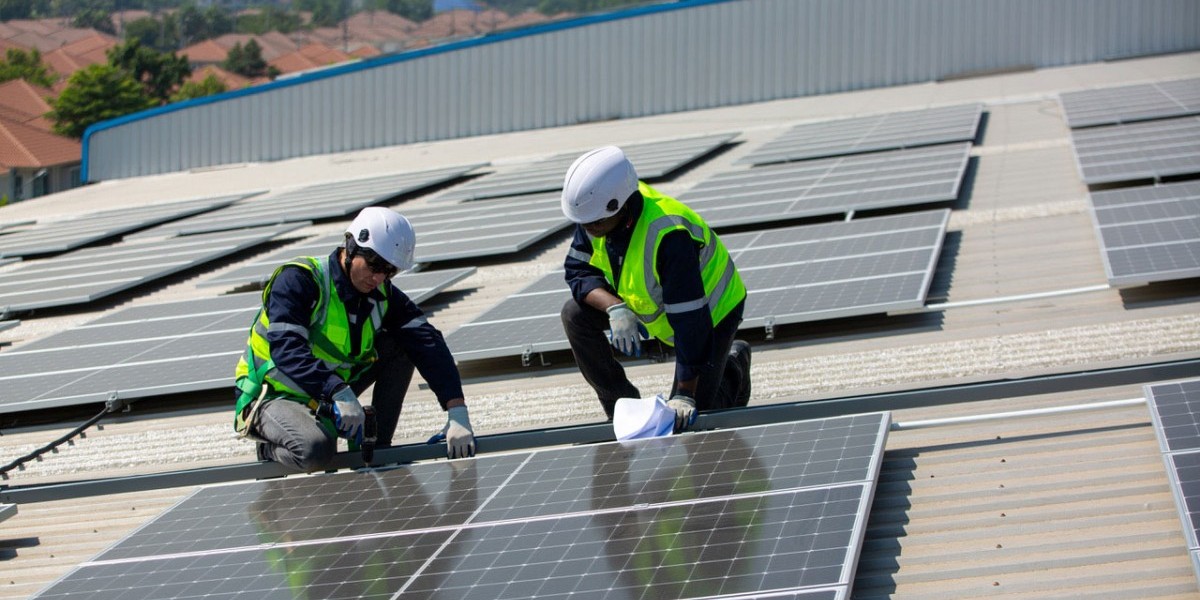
x: 24, y: 146
x: 232, y: 81
x: 20, y: 95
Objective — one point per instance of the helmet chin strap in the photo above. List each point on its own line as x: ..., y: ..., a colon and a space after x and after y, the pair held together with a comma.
x: 349, y: 250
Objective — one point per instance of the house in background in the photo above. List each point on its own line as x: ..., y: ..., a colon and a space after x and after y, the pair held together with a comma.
x: 34, y: 161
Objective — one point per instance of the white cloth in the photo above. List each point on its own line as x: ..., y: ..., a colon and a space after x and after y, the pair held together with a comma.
x: 635, y: 418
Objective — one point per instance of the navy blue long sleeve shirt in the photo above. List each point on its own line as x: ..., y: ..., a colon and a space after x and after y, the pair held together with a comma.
x: 293, y: 296
x: 678, y: 265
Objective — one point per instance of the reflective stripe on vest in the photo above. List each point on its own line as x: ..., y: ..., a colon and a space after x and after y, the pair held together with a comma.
x: 328, y: 335
x: 639, y: 286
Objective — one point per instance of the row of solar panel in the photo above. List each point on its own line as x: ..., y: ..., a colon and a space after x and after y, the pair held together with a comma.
x: 1175, y: 411
x: 778, y: 509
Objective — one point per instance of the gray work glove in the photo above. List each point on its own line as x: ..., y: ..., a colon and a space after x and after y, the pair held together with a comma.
x: 685, y: 411
x: 347, y: 413
x: 623, y: 330
x: 459, y: 437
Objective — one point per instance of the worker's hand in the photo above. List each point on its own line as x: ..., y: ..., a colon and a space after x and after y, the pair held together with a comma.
x: 685, y: 411
x: 347, y: 413
x: 459, y: 437
x: 623, y: 330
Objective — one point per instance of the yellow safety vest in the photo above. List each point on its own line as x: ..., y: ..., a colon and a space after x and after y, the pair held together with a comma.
x: 328, y: 335
x: 640, y: 287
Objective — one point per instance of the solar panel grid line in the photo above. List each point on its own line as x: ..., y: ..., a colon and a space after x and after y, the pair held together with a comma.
x: 102, y: 344
x: 796, y: 537
x: 1148, y: 233
x: 62, y: 236
x: 1125, y: 104
x: 1144, y: 150
x: 858, y: 135
x: 652, y: 160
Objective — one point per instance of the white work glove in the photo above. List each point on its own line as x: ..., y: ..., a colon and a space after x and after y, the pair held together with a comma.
x: 685, y: 411
x: 347, y: 413
x: 459, y: 437
x: 623, y: 330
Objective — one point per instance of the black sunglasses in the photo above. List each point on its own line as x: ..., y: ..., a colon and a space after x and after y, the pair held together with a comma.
x: 377, y: 264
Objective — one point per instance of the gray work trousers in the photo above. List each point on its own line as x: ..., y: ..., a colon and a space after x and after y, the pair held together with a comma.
x: 293, y: 435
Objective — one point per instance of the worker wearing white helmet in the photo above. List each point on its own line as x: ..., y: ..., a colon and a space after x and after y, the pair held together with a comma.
x: 643, y: 264
x: 328, y: 329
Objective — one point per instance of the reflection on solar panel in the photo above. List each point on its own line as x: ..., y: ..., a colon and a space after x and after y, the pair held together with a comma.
x: 419, y: 286
x: 1175, y: 410
x: 86, y: 275
x: 484, y: 228
x: 792, y: 275
x: 311, y: 203
x: 1147, y: 150
x: 778, y: 509
x: 1149, y: 233
x: 1130, y: 103
x: 831, y: 186
x: 59, y: 236
x: 151, y: 350
x: 654, y: 160
x: 868, y: 134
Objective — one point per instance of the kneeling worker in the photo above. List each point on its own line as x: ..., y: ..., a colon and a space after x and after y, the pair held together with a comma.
x: 641, y: 264
x: 331, y: 326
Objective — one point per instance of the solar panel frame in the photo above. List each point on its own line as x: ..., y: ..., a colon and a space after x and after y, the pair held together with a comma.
x: 831, y: 186
x: 528, y: 321
x: 1134, y: 151
x: 1175, y: 413
x: 798, y: 538
x: 315, y: 202
x: 1148, y: 233
x: 1131, y: 103
x: 85, y: 275
x: 652, y: 160
x: 857, y: 135
x: 51, y: 237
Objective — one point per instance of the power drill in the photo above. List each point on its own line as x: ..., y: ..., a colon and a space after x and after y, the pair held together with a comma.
x: 370, y: 430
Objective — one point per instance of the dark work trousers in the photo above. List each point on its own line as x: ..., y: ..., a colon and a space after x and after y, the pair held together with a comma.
x: 585, y: 327
x: 294, y: 435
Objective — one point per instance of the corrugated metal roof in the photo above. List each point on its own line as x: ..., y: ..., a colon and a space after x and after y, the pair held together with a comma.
x: 1055, y: 506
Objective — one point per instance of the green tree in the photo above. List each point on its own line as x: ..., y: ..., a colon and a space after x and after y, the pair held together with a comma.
x: 19, y: 64
x: 195, y: 25
x: 192, y: 89
x: 325, y: 13
x: 152, y: 33
x: 97, y: 19
x: 246, y: 60
x: 23, y: 9
x: 96, y: 93
x: 413, y: 10
x: 267, y: 19
x: 158, y: 72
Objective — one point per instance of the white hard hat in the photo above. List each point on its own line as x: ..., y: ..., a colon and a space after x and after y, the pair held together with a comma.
x: 597, y: 185
x: 387, y: 233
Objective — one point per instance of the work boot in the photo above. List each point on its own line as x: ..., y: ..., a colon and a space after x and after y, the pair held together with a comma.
x: 263, y: 451
x: 740, y: 351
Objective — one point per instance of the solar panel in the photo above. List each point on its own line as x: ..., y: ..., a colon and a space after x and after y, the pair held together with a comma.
x: 1149, y: 233
x: 49, y: 237
x: 310, y: 203
x: 792, y: 275
x: 1129, y: 103
x: 1146, y: 150
x: 831, y: 186
x: 653, y: 160
x: 151, y: 350
x: 484, y: 228
x: 778, y: 510
x: 868, y: 134
x: 419, y: 286
x: 7, y: 510
x: 1175, y: 411
x: 86, y: 275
